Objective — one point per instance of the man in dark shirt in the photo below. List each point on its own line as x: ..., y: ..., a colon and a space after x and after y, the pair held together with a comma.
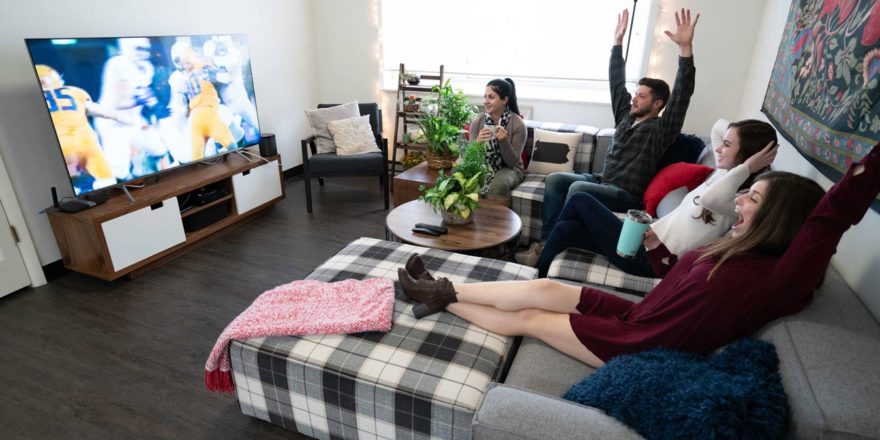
x: 641, y: 136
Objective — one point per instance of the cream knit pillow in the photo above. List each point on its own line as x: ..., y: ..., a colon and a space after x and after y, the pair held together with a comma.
x: 353, y: 136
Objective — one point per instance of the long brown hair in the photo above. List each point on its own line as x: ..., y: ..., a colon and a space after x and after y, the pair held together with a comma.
x: 788, y: 201
x: 753, y: 135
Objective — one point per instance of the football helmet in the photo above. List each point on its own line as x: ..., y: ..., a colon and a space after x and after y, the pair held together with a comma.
x: 49, y: 77
x: 134, y: 48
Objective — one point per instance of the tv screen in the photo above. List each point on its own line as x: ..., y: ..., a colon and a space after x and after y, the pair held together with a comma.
x: 125, y: 108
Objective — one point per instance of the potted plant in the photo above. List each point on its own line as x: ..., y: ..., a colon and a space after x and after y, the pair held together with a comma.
x: 456, y: 195
x: 412, y: 78
x: 411, y: 104
x: 442, y: 124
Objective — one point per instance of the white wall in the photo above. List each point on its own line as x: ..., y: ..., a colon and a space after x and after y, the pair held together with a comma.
x: 858, y: 256
x: 723, y: 44
x: 281, y: 45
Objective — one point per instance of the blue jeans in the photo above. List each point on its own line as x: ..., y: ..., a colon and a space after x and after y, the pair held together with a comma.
x: 586, y: 223
x: 558, y: 187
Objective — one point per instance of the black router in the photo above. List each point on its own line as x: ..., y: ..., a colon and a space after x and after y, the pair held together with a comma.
x: 75, y: 205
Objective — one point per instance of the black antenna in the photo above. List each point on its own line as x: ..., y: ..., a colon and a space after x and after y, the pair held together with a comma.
x: 632, y: 18
x: 54, y: 197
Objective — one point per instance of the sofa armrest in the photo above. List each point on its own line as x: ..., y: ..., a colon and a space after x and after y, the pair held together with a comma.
x: 508, y: 412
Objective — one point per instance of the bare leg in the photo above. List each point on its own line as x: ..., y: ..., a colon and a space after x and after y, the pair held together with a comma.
x: 551, y: 327
x: 543, y: 294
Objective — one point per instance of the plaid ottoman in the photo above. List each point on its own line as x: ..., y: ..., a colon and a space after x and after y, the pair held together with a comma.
x: 585, y: 267
x: 422, y: 380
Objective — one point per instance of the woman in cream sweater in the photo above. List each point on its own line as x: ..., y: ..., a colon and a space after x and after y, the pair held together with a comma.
x: 706, y: 213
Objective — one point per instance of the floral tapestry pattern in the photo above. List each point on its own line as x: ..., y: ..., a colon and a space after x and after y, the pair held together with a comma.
x: 824, y: 94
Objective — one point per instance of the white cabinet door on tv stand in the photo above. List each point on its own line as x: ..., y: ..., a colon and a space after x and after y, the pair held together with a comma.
x: 141, y: 234
x: 256, y: 186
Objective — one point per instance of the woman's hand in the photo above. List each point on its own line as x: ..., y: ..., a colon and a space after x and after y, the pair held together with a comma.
x: 501, y: 134
x: 763, y: 158
x: 484, y: 135
x: 650, y: 240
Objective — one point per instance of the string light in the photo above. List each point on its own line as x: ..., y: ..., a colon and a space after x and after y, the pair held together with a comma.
x: 377, y: 51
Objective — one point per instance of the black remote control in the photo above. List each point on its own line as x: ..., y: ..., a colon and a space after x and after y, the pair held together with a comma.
x: 426, y: 231
x: 439, y: 229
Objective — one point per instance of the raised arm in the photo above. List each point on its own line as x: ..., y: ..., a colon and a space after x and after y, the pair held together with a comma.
x: 807, y: 258
x: 673, y: 116
x: 620, y: 97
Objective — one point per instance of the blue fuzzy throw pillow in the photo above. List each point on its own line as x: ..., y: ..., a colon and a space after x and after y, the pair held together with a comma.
x: 685, y: 148
x: 665, y: 394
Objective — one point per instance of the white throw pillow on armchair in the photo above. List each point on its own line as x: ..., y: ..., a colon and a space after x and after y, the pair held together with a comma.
x: 353, y: 136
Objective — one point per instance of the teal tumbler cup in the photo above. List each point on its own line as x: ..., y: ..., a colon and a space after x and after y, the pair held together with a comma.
x: 634, y: 227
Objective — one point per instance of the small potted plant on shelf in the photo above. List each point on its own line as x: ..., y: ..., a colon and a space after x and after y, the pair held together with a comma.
x: 456, y: 195
x: 412, y: 78
x: 411, y: 104
x: 443, y: 117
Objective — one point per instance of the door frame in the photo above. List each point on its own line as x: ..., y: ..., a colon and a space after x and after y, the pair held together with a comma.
x: 16, y: 219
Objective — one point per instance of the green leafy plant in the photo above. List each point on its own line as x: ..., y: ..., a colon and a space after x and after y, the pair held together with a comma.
x: 439, y: 134
x: 459, y: 191
x: 444, y: 118
x: 454, y: 105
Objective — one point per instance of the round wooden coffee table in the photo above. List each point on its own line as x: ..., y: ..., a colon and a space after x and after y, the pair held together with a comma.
x: 493, y: 230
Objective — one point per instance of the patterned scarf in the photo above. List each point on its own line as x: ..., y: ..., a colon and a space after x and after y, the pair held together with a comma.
x: 493, y: 150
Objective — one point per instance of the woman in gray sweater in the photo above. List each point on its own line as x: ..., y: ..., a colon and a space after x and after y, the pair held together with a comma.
x: 504, y: 133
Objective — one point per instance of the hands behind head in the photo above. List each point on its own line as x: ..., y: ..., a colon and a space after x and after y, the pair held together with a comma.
x: 763, y: 158
x: 684, y: 31
x: 620, y: 30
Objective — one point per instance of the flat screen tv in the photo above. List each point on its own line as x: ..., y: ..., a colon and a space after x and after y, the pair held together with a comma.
x: 125, y: 108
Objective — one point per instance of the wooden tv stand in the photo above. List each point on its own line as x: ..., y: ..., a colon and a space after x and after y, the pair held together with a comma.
x: 120, y: 238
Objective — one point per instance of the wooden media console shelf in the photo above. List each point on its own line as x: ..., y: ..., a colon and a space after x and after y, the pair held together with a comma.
x: 118, y: 238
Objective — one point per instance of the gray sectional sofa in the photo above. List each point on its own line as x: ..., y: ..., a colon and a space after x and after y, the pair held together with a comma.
x: 829, y: 353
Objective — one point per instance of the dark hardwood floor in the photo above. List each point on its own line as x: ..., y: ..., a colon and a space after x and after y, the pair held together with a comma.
x: 82, y: 358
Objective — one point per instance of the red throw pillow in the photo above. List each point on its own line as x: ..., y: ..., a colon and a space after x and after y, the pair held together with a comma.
x: 673, y: 176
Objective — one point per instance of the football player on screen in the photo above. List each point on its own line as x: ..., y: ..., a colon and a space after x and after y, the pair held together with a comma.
x: 70, y: 108
x: 126, y: 86
x: 221, y: 52
x: 203, y: 101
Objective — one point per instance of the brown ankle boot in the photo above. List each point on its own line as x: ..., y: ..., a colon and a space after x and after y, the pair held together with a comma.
x: 416, y: 268
x: 434, y: 296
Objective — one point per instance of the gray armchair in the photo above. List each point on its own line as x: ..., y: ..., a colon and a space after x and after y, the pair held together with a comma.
x: 330, y: 165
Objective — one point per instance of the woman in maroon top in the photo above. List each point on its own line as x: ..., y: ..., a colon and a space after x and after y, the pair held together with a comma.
x: 776, y: 256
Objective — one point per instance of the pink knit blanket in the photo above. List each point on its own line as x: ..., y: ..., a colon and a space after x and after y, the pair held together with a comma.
x: 302, y: 308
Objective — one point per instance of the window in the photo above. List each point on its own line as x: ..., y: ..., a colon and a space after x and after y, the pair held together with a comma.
x: 561, y: 44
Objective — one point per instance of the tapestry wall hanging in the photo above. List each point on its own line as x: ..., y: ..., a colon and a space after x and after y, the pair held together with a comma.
x: 824, y: 95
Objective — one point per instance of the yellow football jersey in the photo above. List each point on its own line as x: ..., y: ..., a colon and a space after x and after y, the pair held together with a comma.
x: 67, y: 105
x: 201, y: 91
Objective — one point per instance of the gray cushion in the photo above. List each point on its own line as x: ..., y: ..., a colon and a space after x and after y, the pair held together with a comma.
x: 328, y: 164
x: 829, y: 355
x: 319, y: 119
x: 512, y: 413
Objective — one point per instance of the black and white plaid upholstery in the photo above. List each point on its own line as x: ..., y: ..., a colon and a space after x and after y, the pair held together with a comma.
x: 527, y: 199
x: 586, y: 267
x: 422, y: 380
